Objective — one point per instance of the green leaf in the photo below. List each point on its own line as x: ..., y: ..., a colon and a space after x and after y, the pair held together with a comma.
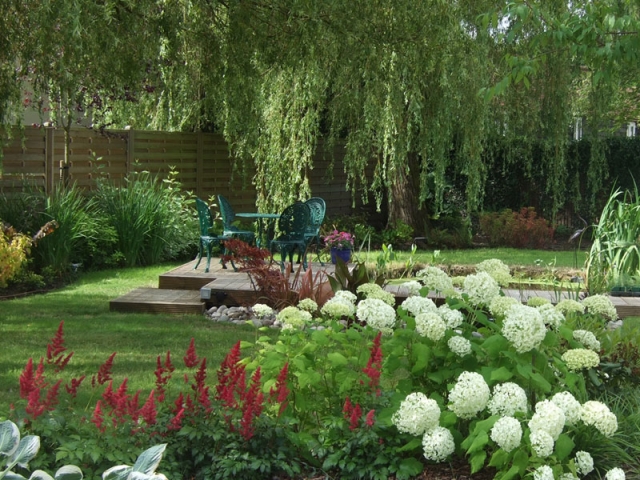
x: 564, y: 446
x: 501, y: 374
x: 524, y: 370
x: 541, y: 382
x: 9, y: 437
x: 495, y: 344
x: 412, y: 445
x: 511, y: 473
x: 479, y: 442
x: 27, y: 449
x: 40, y: 475
x: 69, y: 472
x: 336, y: 359
x: 119, y: 472
x: 408, y: 468
x: 149, y: 460
x: 521, y: 460
x: 477, y: 461
x: 420, y: 355
x: 13, y: 476
x: 499, y: 458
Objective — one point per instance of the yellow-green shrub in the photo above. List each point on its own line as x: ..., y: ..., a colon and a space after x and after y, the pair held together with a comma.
x: 14, y: 248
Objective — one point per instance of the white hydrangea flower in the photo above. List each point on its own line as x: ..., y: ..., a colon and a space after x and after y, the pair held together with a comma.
x: 417, y: 414
x: 413, y: 287
x: 568, y: 306
x: 373, y: 290
x: 376, y: 313
x: 338, y: 307
x: 543, y: 473
x: 430, y: 325
x: 507, y: 433
x: 346, y: 295
x: 600, y: 305
x: 598, y: 414
x: 541, y: 443
x: 548, y: 417
x: 435, y: 279
x: 508, y: 398
x: 293, y: 318
x: 570, y: 406
x: 536, y: 302
x: 459, y: 345
x: 584, y: 462
x: 524, y: 328
x: 568, y: 476
x: 469, y: 395
x: 587, y: 338
x: 551, y: 316
x: 498, y: 270
x: 261, y: 310
x: 453, y: 318
x: 438, y: 444
x: 308, y: 304
x: 481, y: 288
x: 499, y: 305
x: 615, y: 474
x: 417, y: 305
x: 580, y: 358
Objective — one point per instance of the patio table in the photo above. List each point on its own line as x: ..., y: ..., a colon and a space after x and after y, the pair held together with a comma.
x: 263, y: 220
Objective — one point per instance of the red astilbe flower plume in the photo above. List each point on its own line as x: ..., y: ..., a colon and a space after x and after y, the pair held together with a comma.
x: 56, y: 349
x: 148, y: 411
x: 252, y: 406
x: 73, y: 385
x: 51, y: 399
x: 200, y: 376
x: 132, y: 406
x: 98, y: 417
x: 370, y: 418
x: 352, y: 413
x: 104, y: 373
x: 39, y: 379
x: 231, y: 378
x: 204, y: 400
x: 374, y: 365
x: 121, y: 402
x: 176, y: 421
x: 281, y: 392
x: 108, y: 396
x: 27, y: 380
x: 34, y: 408
x: 191, y: 359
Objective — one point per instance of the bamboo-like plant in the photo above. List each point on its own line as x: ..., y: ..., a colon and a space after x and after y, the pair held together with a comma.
x: 614, y: 258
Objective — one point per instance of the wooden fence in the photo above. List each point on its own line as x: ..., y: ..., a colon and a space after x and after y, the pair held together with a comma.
x: 202, y: 161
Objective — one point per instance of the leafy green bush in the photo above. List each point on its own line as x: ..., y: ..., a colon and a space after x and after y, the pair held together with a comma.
x: 523, y: 229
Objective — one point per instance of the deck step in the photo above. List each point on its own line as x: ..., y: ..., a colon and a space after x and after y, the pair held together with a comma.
x: 156, y: 300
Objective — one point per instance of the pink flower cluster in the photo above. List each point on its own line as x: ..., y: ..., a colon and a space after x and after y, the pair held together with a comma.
x: 339, y: 240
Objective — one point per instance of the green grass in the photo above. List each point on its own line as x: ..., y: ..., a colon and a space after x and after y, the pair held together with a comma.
x: 93, y: 332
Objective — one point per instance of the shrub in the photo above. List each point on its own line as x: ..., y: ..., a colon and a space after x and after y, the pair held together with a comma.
x: 14, y: 248
x: 523, y: 229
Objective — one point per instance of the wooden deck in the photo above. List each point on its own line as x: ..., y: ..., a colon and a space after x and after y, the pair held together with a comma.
x: 187, y: 290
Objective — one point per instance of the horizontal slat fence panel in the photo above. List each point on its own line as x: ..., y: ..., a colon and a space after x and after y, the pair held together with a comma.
x: 202, y: 160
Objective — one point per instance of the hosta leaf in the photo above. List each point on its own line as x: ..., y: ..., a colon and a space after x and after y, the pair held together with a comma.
x: 69, y: 472
x: 9, y: 437
x: 40, y: 475
x: 149, y: 460
x: 13, y: 476
x: 119, y: 472
x: 27, y: 449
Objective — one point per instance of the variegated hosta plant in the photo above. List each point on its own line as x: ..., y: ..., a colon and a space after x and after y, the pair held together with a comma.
x: 16, y: 451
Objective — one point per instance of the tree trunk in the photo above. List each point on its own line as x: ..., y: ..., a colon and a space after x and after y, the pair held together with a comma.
x: 404, y: 194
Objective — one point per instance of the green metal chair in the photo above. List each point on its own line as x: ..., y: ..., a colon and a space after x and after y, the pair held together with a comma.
x: 292, y: 226
x: 318, y: 209
x: 207, y: 240
x: 228, y: 217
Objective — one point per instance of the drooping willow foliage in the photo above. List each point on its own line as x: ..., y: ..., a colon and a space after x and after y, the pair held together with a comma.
x: 414, y: 91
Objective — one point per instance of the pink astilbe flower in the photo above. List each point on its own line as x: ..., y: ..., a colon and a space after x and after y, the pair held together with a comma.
x: 191, y: 359
x: 374, y: 365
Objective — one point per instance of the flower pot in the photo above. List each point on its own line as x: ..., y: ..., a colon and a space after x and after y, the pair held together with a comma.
x: 343, y: 254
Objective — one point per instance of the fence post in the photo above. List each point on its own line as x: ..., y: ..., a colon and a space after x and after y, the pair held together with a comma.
x: 130, y: 152
x: 49, y: 170
x: 200, y: 166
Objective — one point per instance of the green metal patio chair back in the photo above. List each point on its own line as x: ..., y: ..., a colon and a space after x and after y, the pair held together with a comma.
x: 228, y: 217
x: 207, y: 239
x: 292, y: 226
x: 318, y: 209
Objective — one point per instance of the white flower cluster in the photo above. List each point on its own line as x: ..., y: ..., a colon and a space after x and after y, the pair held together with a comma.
x: 549, y: 418
x: 438, y: 444
x: 568, y: 306
x: 537, y: 302
x: 584, y: 463
x: 346, y: 295
x: 615, y: 474
x: 481, y: 288
x: 435, y: 279
x: 524, y: 328
x: 507, y: 433
x: 308, y: 304
x: 375, y: 291
x: 508, y: 398
x: 543, y: 473
x: 459, y: 345
x: 570, y: 406
x: 430, y: 325
x: 338, y: 307
x: 469, y: 395
x: 261, y: 310
x: 499, y: 305
x: 417, y: 414
x: 598, y: 414
x: 293, y: 318
x: 541, y: 443
x: 417, y: 305
x: 453, y: 318
x: 580, y: 358
x: 551, y: 316
x: 413, y: 287
x: 376, y: 313
x: 498, y: 270
x: 587, y: 338
x: 600, y: 305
